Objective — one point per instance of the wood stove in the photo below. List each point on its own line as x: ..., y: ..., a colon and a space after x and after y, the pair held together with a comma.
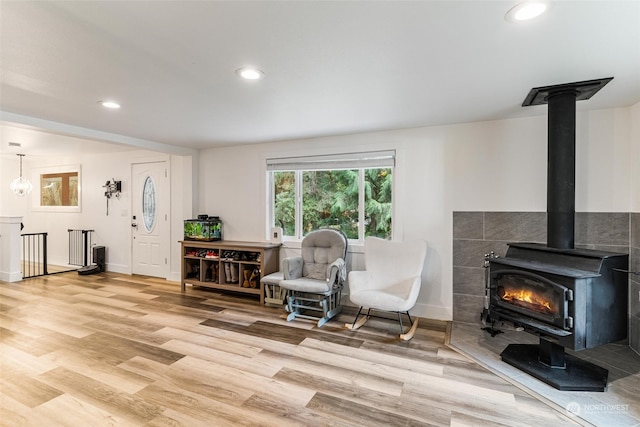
x: 570, y: 298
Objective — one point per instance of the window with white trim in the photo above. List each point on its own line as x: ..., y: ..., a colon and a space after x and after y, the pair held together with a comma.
x: 352, y: 192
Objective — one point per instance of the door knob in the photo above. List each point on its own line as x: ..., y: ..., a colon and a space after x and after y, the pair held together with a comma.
x: 134, y: 225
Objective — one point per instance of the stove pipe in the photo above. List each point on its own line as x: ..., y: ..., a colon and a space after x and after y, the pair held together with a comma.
x: 561, y: 134
x: 561, y: 169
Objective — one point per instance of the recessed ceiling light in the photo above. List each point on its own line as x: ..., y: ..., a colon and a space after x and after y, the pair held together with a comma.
x: 526, y: 10
x: 109, y: 104
x: 250, y: 73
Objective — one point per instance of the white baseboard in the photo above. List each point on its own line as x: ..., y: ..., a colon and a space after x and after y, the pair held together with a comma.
x: 10, y: 277
x: 118, y: 268
x: 124, y: 269
x: 435, y: 312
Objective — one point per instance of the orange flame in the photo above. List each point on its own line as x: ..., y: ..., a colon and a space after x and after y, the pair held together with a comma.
x: 528, y: 297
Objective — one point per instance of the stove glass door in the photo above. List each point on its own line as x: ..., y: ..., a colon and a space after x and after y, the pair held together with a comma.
x: 531, y: 295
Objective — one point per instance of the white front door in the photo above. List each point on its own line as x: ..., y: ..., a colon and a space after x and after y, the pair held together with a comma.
x: 150, y: 219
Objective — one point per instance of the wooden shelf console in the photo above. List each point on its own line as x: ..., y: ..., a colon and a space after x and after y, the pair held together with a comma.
x: 228, y: 265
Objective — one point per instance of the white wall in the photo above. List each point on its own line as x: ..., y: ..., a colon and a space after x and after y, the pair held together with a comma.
x: 634, y: 158
x: 113, y: 230
x: 604, y: 143
x: 493, y: 166
x: 182, y: 206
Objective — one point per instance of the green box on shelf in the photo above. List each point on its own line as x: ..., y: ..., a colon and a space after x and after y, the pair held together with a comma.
x: 203, y: 230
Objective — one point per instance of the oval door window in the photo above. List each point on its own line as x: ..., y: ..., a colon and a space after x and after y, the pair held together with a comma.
x: 149, y: 204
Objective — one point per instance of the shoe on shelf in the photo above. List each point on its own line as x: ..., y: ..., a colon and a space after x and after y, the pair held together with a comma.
x: 214, y: 272
x: 211, y: 254
x: 246, y: 274
x: 195, y: 272
x: 227, y: 272
x: 255, y: 278
x: 235, y: 270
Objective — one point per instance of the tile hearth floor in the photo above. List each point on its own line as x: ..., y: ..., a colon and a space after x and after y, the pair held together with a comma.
x: 618, y: 406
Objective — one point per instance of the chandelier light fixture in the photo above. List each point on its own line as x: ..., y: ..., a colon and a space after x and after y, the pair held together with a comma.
x: 21, y: 186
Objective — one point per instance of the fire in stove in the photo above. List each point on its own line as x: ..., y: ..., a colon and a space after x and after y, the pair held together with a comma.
x: 531, y: 295
x: 526, y: 299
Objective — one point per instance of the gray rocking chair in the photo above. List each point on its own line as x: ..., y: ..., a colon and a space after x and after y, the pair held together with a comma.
x: 314, y: 280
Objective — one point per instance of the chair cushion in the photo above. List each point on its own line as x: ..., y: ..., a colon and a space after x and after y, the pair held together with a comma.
x: 273, y: 278
x: 319, y: 249
x: 305, y: 284
x: 398, y: 296
x: 381, y: 300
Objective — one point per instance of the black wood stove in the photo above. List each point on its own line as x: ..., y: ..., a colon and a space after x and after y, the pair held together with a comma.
x: 570, y: 298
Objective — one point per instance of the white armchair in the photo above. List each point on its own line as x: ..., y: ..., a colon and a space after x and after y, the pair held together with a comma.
x: 391, y: 281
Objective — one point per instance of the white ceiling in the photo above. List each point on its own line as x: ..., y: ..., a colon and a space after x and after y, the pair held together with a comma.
x: 332, y: 67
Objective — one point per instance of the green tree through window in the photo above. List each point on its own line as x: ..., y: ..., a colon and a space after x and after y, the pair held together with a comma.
x: 377, y: 202
x: 284, y: 203
x: 355, y: 201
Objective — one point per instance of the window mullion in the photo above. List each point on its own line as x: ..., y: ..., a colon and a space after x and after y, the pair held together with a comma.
x: 271, y: 196
x: 361, y: 216
x: 298, y: 210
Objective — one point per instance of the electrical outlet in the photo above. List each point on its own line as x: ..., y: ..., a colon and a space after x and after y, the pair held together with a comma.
x: 276, y: 234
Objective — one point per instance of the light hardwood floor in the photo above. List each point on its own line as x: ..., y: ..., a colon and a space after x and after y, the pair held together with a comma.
x: 113, y: 349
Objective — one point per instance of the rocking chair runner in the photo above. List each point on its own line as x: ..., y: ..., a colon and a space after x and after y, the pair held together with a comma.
x: 314, y: 280
x: 391, y: 281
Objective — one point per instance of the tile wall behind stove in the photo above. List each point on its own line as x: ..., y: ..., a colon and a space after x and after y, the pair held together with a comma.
x: 634, y: 284
x: 478, y: 233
